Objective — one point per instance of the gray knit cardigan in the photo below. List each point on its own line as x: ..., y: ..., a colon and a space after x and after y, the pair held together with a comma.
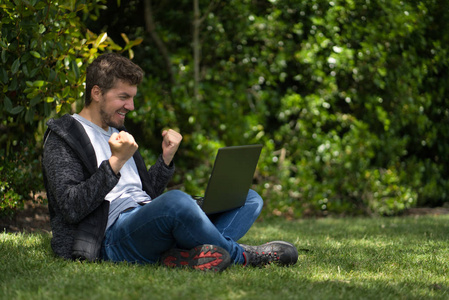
x: 76, y: 188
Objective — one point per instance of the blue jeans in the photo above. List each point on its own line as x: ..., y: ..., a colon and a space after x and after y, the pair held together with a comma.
x: 174, y: 219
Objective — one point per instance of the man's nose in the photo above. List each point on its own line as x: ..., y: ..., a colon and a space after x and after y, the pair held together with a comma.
x: 129, y: 105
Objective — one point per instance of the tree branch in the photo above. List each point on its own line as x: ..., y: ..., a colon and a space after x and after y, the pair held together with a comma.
x: 151, y: 29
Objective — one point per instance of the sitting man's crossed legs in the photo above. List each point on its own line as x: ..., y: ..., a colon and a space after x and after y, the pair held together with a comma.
x: 173, y: 229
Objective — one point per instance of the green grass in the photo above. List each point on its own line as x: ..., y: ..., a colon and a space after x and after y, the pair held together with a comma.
x: 354, y: 258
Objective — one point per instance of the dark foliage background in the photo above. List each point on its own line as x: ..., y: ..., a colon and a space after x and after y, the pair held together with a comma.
x: 349, y: 98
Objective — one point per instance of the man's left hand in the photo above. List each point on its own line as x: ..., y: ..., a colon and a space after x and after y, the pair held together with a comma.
x: 170, y: 144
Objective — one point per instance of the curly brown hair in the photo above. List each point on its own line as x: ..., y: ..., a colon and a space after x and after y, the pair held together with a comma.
x: 106, y: 69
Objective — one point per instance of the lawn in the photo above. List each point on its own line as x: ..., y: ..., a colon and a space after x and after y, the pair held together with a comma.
x: 350, y: 258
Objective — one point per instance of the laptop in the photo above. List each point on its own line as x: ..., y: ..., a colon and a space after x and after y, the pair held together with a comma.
x: 231, y: 178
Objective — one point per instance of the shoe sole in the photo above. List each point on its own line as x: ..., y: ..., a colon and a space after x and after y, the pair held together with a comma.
x: 204, y: 258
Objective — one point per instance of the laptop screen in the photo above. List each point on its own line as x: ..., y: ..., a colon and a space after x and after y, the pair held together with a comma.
x: 231, y: 178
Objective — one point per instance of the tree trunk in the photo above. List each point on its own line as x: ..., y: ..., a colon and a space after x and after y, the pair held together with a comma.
x: 197, y: 20
x: 196, y: 49
x: 151, y: 29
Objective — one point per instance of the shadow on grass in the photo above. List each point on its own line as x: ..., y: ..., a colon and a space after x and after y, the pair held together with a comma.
x: 373, y: 289
x: 417, y: 228
x: 385, y: 258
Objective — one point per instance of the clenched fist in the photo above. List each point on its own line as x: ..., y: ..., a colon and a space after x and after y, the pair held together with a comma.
x: 170, y: 144
x: 123, y: 146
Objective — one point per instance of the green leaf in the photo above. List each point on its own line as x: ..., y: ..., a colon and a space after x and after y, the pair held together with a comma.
x: 76, y: 70
x: 133, y: 43
x: 38, y: 83
x: 16, y: 110
x: 34, y: 72
x: 8, y: 104
x: 25, y: 57
x: 47, y: 109
x: 131, y: 53
x: 33, y: 94
x: 4, y: 76
x: 13, y: 85
x: 382, y: 72
x: 52, y: 75
x: 35, y: 54
x: 25, y: 71
x: 4, y: 56
x: 29, y: 116
x: 15, y: 66
x: 100, y: 39
x: 125, y: 38
x: 33, y: 44
x: 42, y: 29
x: 137, y: 41
x: 66, y: 92
x: 35, y: 100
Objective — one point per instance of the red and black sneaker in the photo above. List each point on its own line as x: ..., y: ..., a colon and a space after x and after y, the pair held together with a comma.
x: 204, y: 258
x: 279, y: 252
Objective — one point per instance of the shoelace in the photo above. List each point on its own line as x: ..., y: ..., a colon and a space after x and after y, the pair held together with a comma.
x: 264, y: 257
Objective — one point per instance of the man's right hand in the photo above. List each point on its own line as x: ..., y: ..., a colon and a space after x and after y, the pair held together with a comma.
x: 123, y: 146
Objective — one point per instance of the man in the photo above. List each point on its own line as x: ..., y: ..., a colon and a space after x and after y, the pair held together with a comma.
x: 105, y: 204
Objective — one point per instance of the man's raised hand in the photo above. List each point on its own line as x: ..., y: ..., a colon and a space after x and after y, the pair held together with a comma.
x: 123, y: 146
x: 170, y: 144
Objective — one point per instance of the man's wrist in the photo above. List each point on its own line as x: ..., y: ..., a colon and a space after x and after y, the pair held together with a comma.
x: 167, y: 162
x: 116, y: 164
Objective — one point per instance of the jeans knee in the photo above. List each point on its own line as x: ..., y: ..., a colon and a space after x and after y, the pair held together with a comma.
x: 176, y: 194
x: 255, y: 199
x: 179, y: 201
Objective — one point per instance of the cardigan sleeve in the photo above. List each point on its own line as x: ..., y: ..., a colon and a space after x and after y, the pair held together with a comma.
x: 156, y: 178
x: 75, y: 191
x: 160, y: 175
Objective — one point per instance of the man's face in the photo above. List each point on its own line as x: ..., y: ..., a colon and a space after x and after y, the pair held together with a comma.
x: 116, y: 103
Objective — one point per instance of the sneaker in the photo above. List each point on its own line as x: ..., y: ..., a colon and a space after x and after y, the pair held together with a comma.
x: 204, y: 257
x: 279, y: 252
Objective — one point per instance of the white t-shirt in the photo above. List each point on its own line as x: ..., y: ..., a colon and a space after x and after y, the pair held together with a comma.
x: 128, y: 191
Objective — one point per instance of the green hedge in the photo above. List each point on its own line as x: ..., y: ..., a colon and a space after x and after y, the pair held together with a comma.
x: 349, y: 98
x: 44, y: 50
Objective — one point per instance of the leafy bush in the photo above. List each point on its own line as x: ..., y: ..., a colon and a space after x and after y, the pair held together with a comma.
x: 45, y: 48
x: 362, y: 119
x: 18, y: 181
x: 349, y: 99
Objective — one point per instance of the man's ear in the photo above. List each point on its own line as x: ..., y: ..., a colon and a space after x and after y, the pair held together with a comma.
x: 96, y: 93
